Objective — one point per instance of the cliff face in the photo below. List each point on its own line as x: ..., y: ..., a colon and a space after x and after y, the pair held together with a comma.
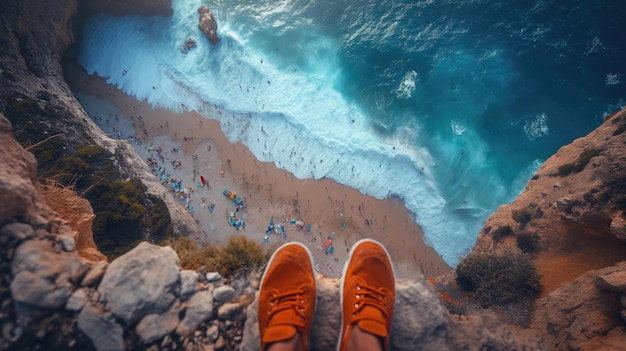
x: 39, y: 104
x: 52, y: 298
x: 575, y: 208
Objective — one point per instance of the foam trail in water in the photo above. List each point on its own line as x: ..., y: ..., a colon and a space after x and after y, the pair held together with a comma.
x: 295, y: 119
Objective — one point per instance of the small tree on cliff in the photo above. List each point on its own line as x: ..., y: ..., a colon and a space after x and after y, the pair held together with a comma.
x: 498, y: 279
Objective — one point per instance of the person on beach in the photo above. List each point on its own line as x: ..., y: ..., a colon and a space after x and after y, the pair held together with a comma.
x: 287, y: 298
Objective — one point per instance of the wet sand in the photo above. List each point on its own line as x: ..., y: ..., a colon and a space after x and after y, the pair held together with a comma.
x: 269, y: 192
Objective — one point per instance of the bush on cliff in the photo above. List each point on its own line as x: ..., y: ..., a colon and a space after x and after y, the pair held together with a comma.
x: 125, y: 213
x: 494, y: 279
x: 580, y: 163
x: 238, y: 255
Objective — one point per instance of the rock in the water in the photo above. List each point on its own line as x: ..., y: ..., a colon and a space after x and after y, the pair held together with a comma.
x: 223, y: 293
x: 142, y: 281
x: 199, y: 309
x: 188, y: 45
x: 208, y: 25
x: 105, y: 333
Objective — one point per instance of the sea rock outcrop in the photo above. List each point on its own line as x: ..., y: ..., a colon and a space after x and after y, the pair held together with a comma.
x: 208, y: 24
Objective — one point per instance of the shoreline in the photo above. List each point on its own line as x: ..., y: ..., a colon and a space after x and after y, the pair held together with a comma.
x: 269, y: 192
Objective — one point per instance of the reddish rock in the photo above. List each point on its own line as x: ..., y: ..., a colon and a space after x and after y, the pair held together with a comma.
x: 208, y: 25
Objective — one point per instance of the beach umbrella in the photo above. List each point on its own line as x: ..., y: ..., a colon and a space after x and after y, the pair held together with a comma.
x: 203, y: 180
x: 328, y: 242
x: 222, y: 172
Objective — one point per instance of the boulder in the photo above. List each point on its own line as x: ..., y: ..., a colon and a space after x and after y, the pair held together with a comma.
x: 224, y: 293
x: 199, y: 309
x: 96, y: 273
x: 188, y: 283
x: 142, y: 281
x: 228, y: 310
x: 613, y: 278
x: 208, y: 24
x: 77, y: 300
x: 618, y: 226
x: 101, y: 327
x: 155, y: 326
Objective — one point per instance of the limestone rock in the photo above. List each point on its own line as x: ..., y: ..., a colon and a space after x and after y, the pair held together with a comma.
x: 68, y: 242
x: 613, y: 278
x: 33, y: 290
x: 19, y: 231
x: 188, y: 283
x: 618, y: 226
x: 212, y: 333
x: 95, y: 274
x: 228, y: 310
x: 199, y: 309
x: 213, y: 277
x: 208, y: 24
x: 154, y: 326
x: 578, y: 316
x: 77, y: 300
x: 419, y: 322
x: 142, y: 281
x: 564, y: 204
x: 105, y: 333
x: 18, y: 183
x: 224, y: 293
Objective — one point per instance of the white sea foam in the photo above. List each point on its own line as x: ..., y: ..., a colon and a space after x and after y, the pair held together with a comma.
x: 457, y: 127
x: 407, y: 85
x: 295, y: 119
x: 612, y: 79
x: 537, y: 127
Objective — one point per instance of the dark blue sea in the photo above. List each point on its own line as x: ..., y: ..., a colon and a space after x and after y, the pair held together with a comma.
x: 449, y: 105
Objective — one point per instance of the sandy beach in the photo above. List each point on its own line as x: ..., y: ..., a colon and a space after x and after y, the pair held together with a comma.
x: 187, y: 146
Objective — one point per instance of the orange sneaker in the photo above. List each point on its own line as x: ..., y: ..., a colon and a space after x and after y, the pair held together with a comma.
x: 367, y: 293
x: 287, y: 295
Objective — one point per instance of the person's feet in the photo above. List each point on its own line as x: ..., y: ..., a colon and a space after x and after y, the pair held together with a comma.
x: 367, y: 298
x: 287, y: 297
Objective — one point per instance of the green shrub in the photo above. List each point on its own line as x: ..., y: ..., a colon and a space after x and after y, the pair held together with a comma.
x: 581, y: 162
x: 522, y: 216
x: 238, y: 255
x: 502, y: 232
x: 527, y: 242
x: 498, y: 279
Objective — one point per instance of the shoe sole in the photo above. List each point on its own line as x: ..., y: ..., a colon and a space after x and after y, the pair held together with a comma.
x: 312, y: 270
x: 343, y: 275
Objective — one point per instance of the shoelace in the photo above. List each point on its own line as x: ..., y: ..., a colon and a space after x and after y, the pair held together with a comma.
x: 368, y: 296
x: 290, y: 300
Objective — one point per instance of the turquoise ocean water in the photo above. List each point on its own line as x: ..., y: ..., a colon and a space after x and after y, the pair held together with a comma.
x: 449, y: 105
